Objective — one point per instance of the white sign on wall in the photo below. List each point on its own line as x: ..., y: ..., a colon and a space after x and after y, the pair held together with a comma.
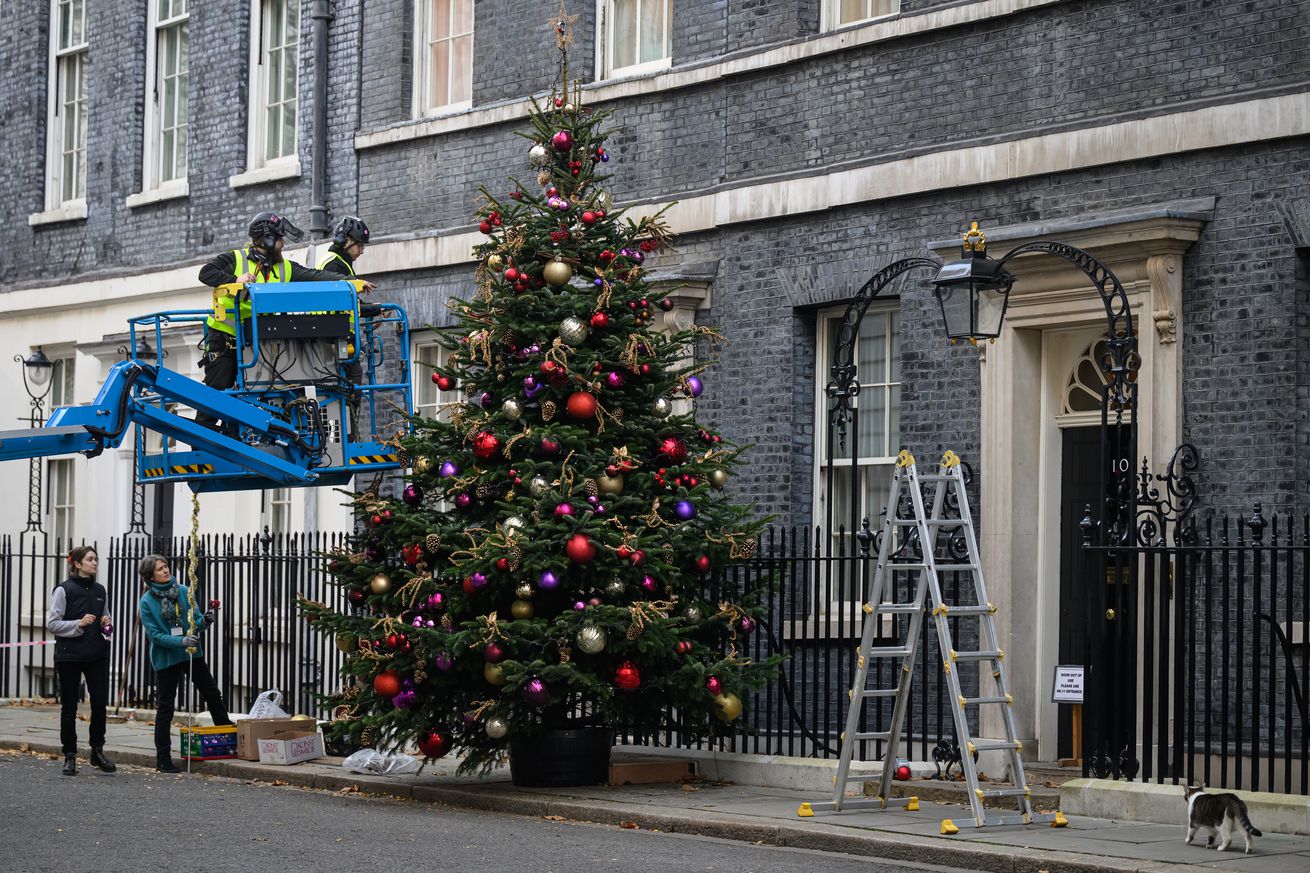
x: 1068, y: 685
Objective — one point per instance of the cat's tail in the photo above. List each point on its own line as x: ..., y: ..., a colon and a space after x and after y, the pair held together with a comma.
x: 1246, y: 820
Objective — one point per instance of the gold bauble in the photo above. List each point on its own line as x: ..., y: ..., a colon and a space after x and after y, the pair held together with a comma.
x: 538, y: 486
x: 347, y: 643
x: 609, y: 484
x: 524, y: 591
x: 495, y: 263
x: 521, y: 609
x: 719, y: 478
x: 727, y: 707
x: 422, y: 464
x: 380, y: 584
x: 493, y: 673
x: 514, y: 522
x: 557, y: 273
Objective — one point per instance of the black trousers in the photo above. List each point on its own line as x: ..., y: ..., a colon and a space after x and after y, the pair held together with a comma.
x: 70, y: 691
x: 220, y: 365
x: 169, y: 679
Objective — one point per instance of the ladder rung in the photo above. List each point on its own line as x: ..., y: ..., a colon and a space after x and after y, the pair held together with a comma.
x: 993, y: 745
x: 931, y: 522
x: 873, y: 735
x: 989, y: 655
x: 1003, y: 792
x: 889, y: 652
x: 898, y: 608
x: 881, y: 692
x: 935, y: 477
x: 947, y: 568
x: 971, y: 701
x: 987, y: 609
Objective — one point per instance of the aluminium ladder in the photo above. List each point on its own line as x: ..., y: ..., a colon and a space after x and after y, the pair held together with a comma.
x: 948, y: 493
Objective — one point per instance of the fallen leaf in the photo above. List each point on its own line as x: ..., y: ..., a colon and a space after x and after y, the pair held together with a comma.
x: 690, y: 788
x: 629, y: 825
x: 553, y: 817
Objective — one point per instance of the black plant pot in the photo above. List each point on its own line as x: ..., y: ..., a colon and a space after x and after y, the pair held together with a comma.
x: 561, y: 758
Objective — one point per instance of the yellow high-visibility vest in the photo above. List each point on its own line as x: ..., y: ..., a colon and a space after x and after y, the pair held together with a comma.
x: 224, y: 301
x: 328, y: 258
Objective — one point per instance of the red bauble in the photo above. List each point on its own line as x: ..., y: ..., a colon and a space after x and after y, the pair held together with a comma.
x: 548, y: 367
x: 485, y: 445
x: 903, y: 772
x: 445, y: 383
x: 493, y: 653
x: 580, y: 549
x: 622, y: 551
x: 511, y: 275
x: 703, y: 564
x: 646, y: 369
x: 684, y: 646
x: 588, y: 217
x: 606, y: 256
x: 434, y: 744
x: 600, y: 320
x: 412, y: 554
x: 484, y: 226
x: 468, y: 586
x: 673, y: 449
x: 376, y: 521
x: 581, y: 405
x: 637, y: 557
x: 386, y: 683
x: 627, y: 677
x: 356, y: 596
x: 549, y: 447
x: 502, y: 564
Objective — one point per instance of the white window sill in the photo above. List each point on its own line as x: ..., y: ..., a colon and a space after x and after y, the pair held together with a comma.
x: 74, y: 210
x: 281, y: 169
x: 445, y: 111
x: 166, y: 191
x: 637, y: 71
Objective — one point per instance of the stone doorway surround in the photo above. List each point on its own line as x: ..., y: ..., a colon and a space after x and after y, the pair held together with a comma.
x: 1023, y: 376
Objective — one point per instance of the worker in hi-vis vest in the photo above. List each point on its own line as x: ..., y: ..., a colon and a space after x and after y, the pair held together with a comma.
x: 261, y: 261
x: 349, y: 238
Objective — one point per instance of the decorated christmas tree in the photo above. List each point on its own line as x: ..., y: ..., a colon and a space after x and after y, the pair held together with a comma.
x: 553, y: 559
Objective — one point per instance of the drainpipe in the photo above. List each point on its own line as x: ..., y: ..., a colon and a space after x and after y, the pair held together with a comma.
x: 318, y: 212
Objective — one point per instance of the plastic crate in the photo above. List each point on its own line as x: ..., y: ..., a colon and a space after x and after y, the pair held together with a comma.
x: 208, y: 743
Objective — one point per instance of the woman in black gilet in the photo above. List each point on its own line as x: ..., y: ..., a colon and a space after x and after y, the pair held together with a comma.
x: 79, y: 619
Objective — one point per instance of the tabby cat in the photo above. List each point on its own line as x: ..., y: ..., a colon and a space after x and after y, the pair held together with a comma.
x: 1222, y: 814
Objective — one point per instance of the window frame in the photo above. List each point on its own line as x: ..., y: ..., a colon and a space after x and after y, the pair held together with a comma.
x: 422, y: 104
x: 276, y: 507
x: 605, y: 68
x: 79, y: 54
x: 831, y: 13
x: 824, y: 351
x: 152, y: 151
x: 421, y: 374
x: 61, y: 473
x: 258, y: 81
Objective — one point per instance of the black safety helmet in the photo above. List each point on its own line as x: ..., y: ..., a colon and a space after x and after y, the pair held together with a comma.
x: 267, y: 227
x: 350, y: 228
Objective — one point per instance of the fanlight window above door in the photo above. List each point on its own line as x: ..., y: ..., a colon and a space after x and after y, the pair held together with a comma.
x: 1082, y: 391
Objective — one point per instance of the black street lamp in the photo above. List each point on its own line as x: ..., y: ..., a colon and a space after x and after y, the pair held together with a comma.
x: 973, y: 292
x: 37, y: 373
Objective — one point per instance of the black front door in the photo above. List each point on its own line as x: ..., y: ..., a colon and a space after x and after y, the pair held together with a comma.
x: 1080, y: 487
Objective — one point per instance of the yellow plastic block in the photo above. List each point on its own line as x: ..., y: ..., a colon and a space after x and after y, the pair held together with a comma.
x: 912, y: 805
x: 805, y: 811
x: 949, y: 828
x: 1059, y: 821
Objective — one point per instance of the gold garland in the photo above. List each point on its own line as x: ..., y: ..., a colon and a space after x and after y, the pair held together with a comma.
x: 646, y: 612
x: 493, y: 632
x: 739, y: 548
x: 413, y: 589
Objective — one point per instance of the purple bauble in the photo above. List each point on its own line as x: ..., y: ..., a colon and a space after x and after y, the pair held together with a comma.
x: 647, y: 583
x: 562, y: 141
x: 373, y: 553
x: 563, y: 510
x: 548, y: 581
x: 404, y: 700
x: 463, y: 500
x: 563, y: 205
x: 598, y: 282
x: 593, y: 500
x: 486, y: 401
x: 605, y: 157
x: 614, y: 379
x: 418, y: 621
x: 443, y: 661
x: 579, y: 606
x: 428, y: 622
x: 747, y: 624
x: 685, y: 510
x: 600, y: 509
x: 479, y: 580
x: 638, y: 256
x: 469, y: 718
x: 535, y: 693
x: 412, y: 495
x: 694, y: 386
x: 436, y: 600
x: 531, y: 387
x: 447, y: 469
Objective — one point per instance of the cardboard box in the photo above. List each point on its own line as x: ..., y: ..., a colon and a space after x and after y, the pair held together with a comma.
x: 251, y: 730
x: 291, y: 747
x: 208, y: 743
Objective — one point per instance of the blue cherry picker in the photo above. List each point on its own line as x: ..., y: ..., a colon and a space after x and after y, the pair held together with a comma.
x: 293, y: 418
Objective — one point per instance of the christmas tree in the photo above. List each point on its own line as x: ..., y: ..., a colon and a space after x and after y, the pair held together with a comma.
x: 551, y: 561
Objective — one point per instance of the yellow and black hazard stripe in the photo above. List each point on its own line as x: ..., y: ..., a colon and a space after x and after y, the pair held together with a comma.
x: 155, y: 472
x: 365, y: 460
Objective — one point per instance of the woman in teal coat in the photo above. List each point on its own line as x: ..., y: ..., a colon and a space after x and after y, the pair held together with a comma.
x: 173, y: 623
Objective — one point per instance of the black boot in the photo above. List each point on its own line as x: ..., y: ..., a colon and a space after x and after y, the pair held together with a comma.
x: 70, y: 765
x: 164, y: 763
x: 98, y: 759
